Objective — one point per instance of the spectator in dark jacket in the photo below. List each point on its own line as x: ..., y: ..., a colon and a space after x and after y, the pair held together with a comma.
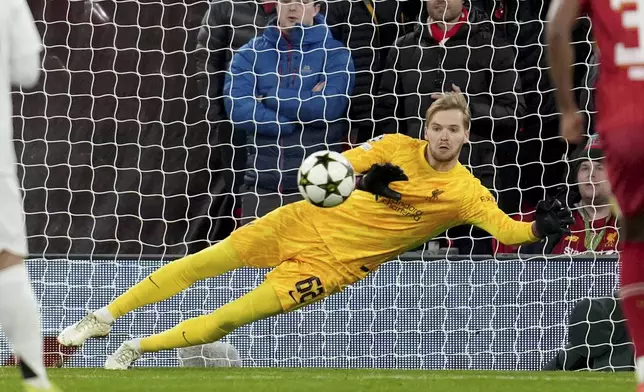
x: 468, y: 57
x: 227, y: 26
x: 453, y: 48
x: 288, y: 92
x: 369, y: 28
x: 528, y: 35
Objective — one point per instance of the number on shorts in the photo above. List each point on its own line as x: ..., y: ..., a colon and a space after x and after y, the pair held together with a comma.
x: 309, y: 289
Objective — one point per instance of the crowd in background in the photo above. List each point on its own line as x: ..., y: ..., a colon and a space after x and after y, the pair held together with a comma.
x: 274, y: 92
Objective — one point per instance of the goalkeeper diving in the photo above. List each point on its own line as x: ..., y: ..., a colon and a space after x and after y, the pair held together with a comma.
x: 420, y: 191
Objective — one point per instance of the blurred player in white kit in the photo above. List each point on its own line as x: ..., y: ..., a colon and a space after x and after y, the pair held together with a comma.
x: 20, y: 47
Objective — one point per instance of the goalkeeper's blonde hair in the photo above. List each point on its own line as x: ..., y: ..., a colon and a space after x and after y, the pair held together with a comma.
x: 450, y: 101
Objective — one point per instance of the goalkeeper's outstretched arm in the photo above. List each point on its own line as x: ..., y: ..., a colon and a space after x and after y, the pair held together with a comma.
x: 480, y: 209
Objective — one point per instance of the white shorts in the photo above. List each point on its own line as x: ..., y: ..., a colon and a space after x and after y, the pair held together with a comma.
x: 13, y: 236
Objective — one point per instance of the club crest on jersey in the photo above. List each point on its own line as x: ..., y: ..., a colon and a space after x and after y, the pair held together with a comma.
x: 610, y: 239
x: 435, y: 194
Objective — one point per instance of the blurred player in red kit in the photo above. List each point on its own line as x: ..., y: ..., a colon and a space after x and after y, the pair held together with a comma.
x: 618, y: 27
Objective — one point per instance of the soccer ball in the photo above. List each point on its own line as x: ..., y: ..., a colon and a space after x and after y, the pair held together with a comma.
x: 326, y: 178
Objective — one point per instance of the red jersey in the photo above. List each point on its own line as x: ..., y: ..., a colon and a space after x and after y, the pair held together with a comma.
x: 618, y: 28
x: 599, y: 236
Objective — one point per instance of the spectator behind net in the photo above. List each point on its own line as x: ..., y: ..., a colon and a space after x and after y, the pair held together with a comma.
x: 595, y: 221
x: 454, y: 49
x: 369, y: 29
x: 595, y: 226
x: 226, y: 26
x: 287, y: 91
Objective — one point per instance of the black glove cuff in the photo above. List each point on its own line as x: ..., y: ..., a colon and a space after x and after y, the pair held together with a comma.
x: 537, y: 231
x: 359, y: 182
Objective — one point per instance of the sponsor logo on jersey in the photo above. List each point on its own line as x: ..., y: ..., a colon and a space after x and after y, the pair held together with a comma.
x: 405, y: 209
x: 571, y: 238
x: 568, y: 251
x: 571, y: 252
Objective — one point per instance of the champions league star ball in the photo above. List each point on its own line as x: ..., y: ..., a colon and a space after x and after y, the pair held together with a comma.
x: 326, y: 179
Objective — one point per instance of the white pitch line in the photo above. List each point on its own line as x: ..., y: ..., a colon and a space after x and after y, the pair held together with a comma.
x: 429, y: 377
x: 432, y: 377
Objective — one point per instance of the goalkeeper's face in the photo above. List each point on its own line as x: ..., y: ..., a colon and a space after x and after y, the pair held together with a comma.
x: 292, y: 12
x: 446, y: 135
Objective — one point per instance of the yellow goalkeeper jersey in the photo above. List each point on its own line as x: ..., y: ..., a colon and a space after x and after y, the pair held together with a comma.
x: 364, y: 233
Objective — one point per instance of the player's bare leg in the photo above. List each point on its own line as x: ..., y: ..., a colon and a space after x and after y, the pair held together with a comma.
x: 632, y: 287
x: 164, y: 283
x: 258, y: 304
x: 20, y: 321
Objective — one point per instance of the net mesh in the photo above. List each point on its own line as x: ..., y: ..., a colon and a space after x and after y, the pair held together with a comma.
x: 120, y: 160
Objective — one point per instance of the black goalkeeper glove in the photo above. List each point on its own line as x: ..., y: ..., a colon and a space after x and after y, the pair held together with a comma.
x: 552, y: 218
x: 377, y: 180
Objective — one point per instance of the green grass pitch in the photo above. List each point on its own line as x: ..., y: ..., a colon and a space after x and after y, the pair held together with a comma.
x: 323, y: 380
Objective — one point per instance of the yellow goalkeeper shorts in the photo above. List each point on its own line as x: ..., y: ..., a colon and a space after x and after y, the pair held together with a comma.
x: 305, y: 270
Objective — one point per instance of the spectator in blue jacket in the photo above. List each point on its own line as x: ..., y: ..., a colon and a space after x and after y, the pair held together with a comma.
x: 288, y: 90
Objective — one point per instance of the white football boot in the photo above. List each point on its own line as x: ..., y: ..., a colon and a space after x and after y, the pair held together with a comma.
x: 123, y: 357
x: 88, y: 327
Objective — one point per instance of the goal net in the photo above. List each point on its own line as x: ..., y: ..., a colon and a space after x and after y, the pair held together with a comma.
x: 123, y: 170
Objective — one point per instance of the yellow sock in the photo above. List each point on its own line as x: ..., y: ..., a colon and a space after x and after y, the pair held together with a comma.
x: 176, y: 277
x: 258, y: 304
